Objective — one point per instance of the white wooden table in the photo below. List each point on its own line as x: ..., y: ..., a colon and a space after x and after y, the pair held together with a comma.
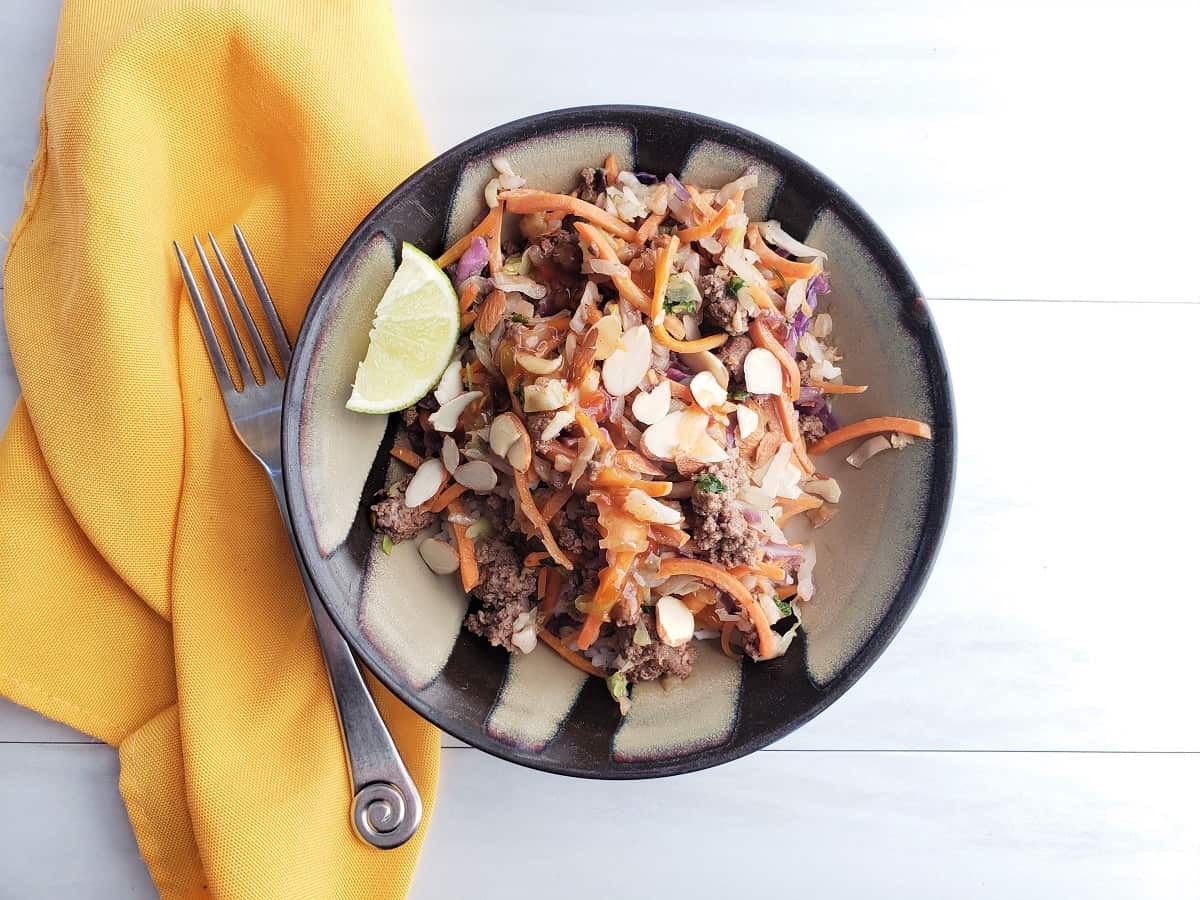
x: 1033, y: 731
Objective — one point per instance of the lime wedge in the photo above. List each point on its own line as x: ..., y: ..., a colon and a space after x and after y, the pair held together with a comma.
x: 415, y: 329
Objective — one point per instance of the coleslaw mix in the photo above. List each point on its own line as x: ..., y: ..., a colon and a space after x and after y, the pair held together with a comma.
x: 643, y: 382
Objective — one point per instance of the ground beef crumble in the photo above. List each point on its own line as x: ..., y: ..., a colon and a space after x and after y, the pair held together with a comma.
x: 505, y: 590
x: 720, y: 308
x: 653, y: 660
x: 733, y: 355
x: 720, y: 529
x: 397, y: 521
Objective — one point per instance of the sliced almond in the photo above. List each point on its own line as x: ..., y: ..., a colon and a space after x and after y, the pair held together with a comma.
x: 608, y: 335
x: 635, y: 462
x: 661, y: 440
x: 450, y: 454
x: 591, y: 382
x: 425, y: 483
x: 441, y: 558
x: 642, y: 506
x: 706, y: 361
x: 491, y: 312
x: 763, y: 373
x: 674, y: 327
x: 766, y: 447
x: 652, y: 407
x: 689, y: 466
x: 536, y: 364
x: 824, y: 487
x: 706, y: 450
x: 627, y: 365
x: 476, y: 475
x: 585, y: 355
x: 669, y: 535
x: 520, y: 452
x: 546, y: 394
x: 557, y: 423
x: 675, y: 621
x: 446, y: 418
x: 504, y: 433
x: 747, y: 421
x: 706, y: 391
x: 451, y: 384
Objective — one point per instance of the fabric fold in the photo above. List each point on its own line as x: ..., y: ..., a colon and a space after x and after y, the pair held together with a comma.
x: 146, y: 584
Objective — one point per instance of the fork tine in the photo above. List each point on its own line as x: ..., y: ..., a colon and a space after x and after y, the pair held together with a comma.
x: 235, y: 342
x: 206, y: 327
x: 282, y: 346
x: 268, y: 368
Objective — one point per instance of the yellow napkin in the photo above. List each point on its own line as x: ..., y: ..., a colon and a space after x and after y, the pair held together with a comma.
x: 147, y: 592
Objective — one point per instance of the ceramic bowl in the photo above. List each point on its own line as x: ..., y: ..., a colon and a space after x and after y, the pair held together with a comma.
x: 405, y: 623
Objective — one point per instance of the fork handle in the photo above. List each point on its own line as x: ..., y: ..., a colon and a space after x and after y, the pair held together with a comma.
x: 387, y: 808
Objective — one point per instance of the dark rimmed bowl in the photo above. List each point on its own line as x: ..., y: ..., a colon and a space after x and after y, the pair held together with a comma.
x: 405, y: 623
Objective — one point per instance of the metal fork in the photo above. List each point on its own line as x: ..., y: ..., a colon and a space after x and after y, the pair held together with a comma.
x: 386, y: 808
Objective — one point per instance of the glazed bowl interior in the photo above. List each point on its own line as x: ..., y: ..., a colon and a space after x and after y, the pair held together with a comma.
x: 405, y: 623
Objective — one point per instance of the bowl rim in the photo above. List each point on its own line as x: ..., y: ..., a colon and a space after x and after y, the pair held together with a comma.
x: 917, y: 318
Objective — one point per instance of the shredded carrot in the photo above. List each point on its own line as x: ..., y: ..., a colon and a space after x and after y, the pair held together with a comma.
x: 495, y: 254
x: 762, y: 298
x: 694, y: 603
x: 610, y: 169
x: 699, y: 202
x: 785, y: 591
x: 608, y: 592
x: 726, y: 631
x: 468, y: 319
x: 550, y: 590
x: 867, y: 427
x: 468, y: 568
x: 791, y: 430
x: 446, y: 497
x: 575, y: 659
x: 649, y: 228
x: 670, y: 535
x: 535, y: 559
x: 706, y: 229
x: 611, y: 477
x: 490, y: 225
x: 590, y: 428
x: 406, y: 456
x: 531, y: 512
x: 524, y: 200
x: 710, y: 342
x: 604, y: 250
x: 773, y: 260
x: 470, y: 292
x: 556, y: 502
x: 681, y: 565
x: 792, y: 507
x: 763, y: 338
x: 662, y: 271
x: 830, y: 387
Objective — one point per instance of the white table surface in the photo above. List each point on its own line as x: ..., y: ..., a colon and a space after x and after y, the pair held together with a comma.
x: 1033, y: 730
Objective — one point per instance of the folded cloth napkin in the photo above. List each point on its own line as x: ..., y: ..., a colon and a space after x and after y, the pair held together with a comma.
x: 147, y: 592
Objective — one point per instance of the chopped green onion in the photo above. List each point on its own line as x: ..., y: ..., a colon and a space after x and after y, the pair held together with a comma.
x: 387, y: 544
x: 519, y: 319
x: 785, y: 608
x: 735, y: 284
x: 710, y: 484
x: 641, y: 635
x: 739, y: 395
